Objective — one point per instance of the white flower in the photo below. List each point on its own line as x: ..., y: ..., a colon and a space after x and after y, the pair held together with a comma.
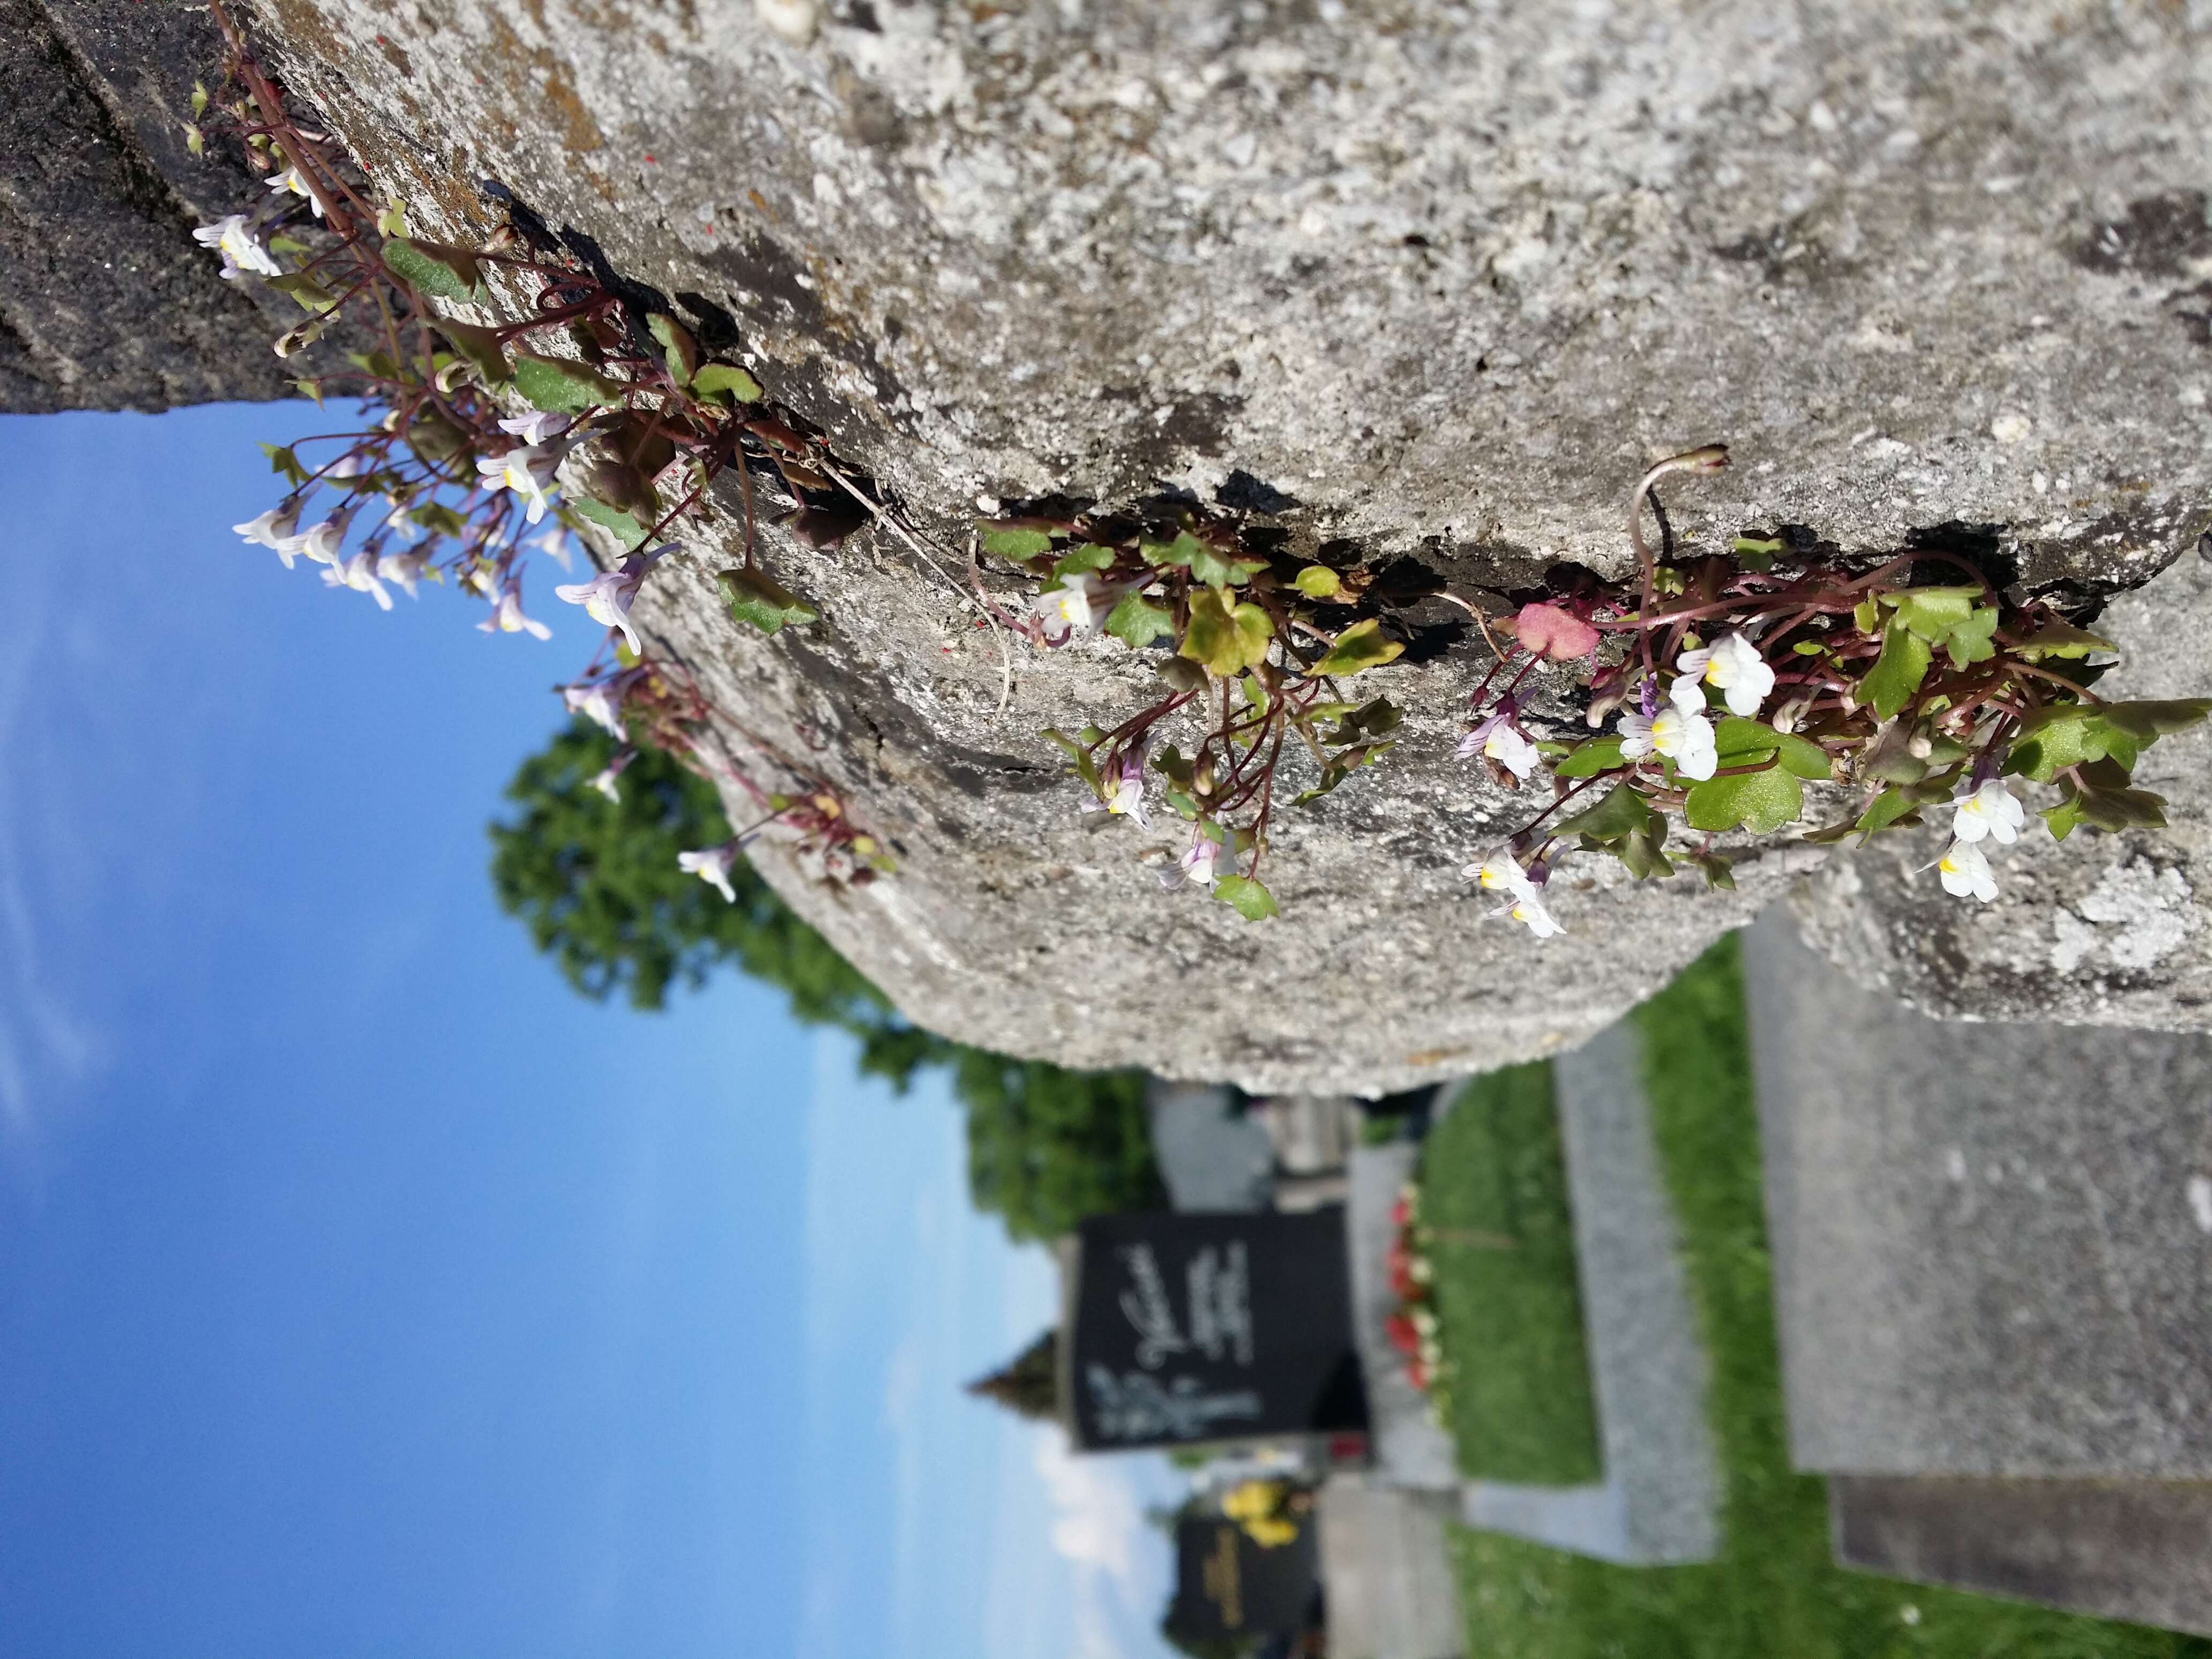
x: 1964, y: 872
x: 291, y: 180
x: 239, y: 246
x: 1512, y: 751
x: 553, y: 542
x: 537, y: 427
x: 1501, y: 872
x: 712, y: 866
x: 607, y: 598
x: 1680, y: 731
x: 276, y: 529
x: 1196, y: 865
x: 1991, y: 809
x: 321, y: 544
x: 604, y: 782
x: 1733, y: 667
x: 404, y: 567
x: 1079, y: 605
x: 528, y: 469
x: 1528, y: 910
x: 358, y: 573
x: 507, y: 616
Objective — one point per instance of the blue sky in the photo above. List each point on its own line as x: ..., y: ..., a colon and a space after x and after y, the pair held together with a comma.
x: 362, y: 1291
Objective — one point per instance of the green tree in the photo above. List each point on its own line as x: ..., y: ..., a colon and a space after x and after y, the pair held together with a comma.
x: 597, y: 883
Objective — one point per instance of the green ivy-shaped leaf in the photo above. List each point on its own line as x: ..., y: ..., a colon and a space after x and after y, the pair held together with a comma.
x: 2062, y: 819
x: 754, y: 597
x: 1089, y: 557
x: 1078, y: 750
x: 1013, y: 542
x: 2059, y: 638
x: 481, y: 346
x: 677, y: 344
x: 1759, y: 801
x: 1898, y: 672
x: 1622, y: 812
x: 1929, y: 613
x: 1890, y: 806
x: 1588, y: 759
x: 1250, y: 900
x: 1359, y: 647
x: 1137, y: 621
x: 1973, y: 640
x: 562, y: 384
x: 625, y: 525
x: 727, y: 383
x: 2148, y: 721
x: 1318, y: 581
x: 1224, y: 635
x: 432, y: 268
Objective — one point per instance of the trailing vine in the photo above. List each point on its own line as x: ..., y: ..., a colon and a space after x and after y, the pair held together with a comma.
x: 1911, y: 686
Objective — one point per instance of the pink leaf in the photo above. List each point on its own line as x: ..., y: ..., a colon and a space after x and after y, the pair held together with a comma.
x: 1548, y: 631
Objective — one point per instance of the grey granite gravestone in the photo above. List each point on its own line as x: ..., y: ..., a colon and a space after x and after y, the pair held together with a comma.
x: 1659, y: 1501
x: 1210, y: 1157
x: 1993, y: 1244
x: 2128, y: 1549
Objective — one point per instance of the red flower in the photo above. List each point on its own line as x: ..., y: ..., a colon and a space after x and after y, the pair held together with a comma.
x: 1403, y: 1337
x: 1401, y: 1213
x: 1418, y: 1375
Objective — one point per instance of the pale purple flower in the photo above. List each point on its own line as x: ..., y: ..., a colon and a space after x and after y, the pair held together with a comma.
x: 358, y: 573
x: 1497, y: 738
x: 528, y: 469
x: 602, y: 700
x: 537, y: 427
x: 1195, y: 866
x: 1734, y: 667
x: 1990, y: 810
x: 1123, y: 791
x: 1680, y: 731
x: 507, y: 616
x: 277, y: 528
x: 240, y: 245
x: 712, y: 865
x: 607, y: 597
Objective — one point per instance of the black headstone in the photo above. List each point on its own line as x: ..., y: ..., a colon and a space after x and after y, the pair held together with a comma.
x: 1227, y: 1585
x: 1192, y: 1328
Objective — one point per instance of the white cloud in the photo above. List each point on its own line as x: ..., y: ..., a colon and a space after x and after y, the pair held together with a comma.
x: 1097, y: 1521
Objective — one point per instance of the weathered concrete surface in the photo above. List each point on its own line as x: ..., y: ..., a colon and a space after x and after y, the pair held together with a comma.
x: 1993, y: 1243
x: 1438, y: 279
x: 2097, y: 929
x: 2123, y: 1549
x: 1387, y: 1573
x: 105, y: 302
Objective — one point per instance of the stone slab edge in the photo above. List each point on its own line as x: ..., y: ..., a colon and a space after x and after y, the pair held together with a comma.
x: 1647, y: 1357
x: 2137, y: 1550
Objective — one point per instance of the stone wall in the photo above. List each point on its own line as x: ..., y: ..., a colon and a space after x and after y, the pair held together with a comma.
x: 1416, y: 281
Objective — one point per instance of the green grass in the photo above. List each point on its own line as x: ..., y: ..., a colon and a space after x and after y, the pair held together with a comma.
x: 1494, y: 1190
x: 1775, y: 1593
